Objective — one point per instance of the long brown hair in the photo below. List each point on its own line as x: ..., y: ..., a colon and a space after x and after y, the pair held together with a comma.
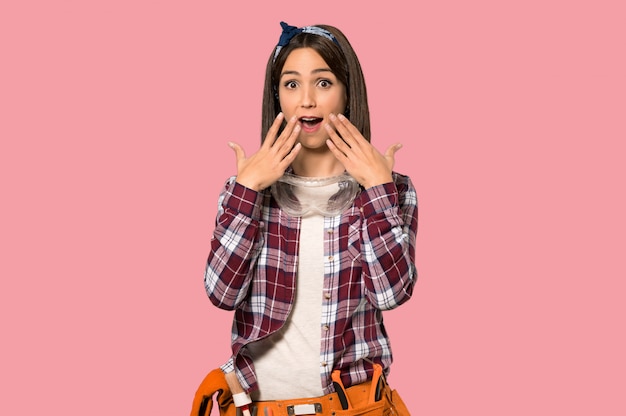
x: 342, y: 61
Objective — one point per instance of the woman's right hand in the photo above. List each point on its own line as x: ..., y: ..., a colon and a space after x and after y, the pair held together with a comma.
x: 269, y: 163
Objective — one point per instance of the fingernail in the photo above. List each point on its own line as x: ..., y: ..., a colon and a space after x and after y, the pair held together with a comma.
x: 342, y: 117
x: 332, y: 116
x: 231, y: 144
x: 327, y: 126
x: 297, y: 128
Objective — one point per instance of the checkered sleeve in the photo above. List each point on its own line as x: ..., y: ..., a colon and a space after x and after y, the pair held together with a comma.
x: 389, y: 231
x: 234, y: 246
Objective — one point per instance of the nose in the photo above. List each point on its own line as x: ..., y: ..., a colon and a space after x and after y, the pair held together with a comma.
x: 307, y: 99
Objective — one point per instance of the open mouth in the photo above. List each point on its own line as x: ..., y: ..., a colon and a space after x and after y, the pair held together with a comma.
x: 310, y: 122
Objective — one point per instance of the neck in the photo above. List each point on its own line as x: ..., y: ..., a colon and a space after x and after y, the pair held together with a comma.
x: 316, y: 165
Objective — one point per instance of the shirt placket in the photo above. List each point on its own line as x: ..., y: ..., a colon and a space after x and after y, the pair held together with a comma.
x: 329, y: 301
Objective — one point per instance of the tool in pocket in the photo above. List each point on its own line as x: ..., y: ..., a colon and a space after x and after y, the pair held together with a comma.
x: 376, y: 389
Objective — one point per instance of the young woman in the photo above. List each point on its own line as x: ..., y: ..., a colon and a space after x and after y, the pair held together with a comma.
x: 314, y: 238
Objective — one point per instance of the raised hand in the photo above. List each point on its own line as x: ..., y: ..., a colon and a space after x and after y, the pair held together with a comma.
x: 275, y: 155
x: 362, y: 160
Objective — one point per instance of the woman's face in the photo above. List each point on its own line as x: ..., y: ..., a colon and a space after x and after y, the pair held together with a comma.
x: 309, y: 90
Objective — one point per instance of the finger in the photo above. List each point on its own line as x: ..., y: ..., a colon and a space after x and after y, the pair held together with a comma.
x: 349, y: 134
x: 287, y: 134
x: 340, y: 127
x: 288, y: 131
x: 239, y: 152
x: 287, y: 145
x: 291, y: 156
x: 391, y: 150
x: 341, y: 156
x: 390, y: 154
x: 273, y: 130
x: 351, y: 131
x: 337, y: 141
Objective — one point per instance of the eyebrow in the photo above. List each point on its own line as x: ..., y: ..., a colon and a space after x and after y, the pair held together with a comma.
x: 315, y: 71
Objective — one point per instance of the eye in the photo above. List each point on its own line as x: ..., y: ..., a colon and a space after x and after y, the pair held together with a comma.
x: 325, y: 83
x: 290, y: 84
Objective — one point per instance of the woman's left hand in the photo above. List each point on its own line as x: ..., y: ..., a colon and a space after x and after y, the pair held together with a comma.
x: 362, y: 160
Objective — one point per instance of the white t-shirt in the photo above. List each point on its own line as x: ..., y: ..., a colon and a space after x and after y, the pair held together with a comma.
x: 287, y: 363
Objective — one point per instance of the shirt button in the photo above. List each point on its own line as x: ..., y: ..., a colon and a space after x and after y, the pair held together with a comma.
x: 261, y: 224
x: 326, y: 328
x: 324, y: 364
x: 330, y: 258
x: 329, y: 231
x: 327, y: 295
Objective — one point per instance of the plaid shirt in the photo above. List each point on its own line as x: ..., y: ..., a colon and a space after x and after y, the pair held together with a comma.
x: 369, y: 266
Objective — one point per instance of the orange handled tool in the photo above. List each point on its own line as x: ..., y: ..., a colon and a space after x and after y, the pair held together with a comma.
x: 340, y: 390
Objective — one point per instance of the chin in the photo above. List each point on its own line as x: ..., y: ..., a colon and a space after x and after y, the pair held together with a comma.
x: 314, y: 143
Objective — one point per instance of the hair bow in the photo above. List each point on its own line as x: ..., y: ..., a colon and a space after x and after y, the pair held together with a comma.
x: 290, y: 31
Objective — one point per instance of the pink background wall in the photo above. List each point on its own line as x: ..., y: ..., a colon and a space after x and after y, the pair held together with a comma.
x: 114, y: 120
